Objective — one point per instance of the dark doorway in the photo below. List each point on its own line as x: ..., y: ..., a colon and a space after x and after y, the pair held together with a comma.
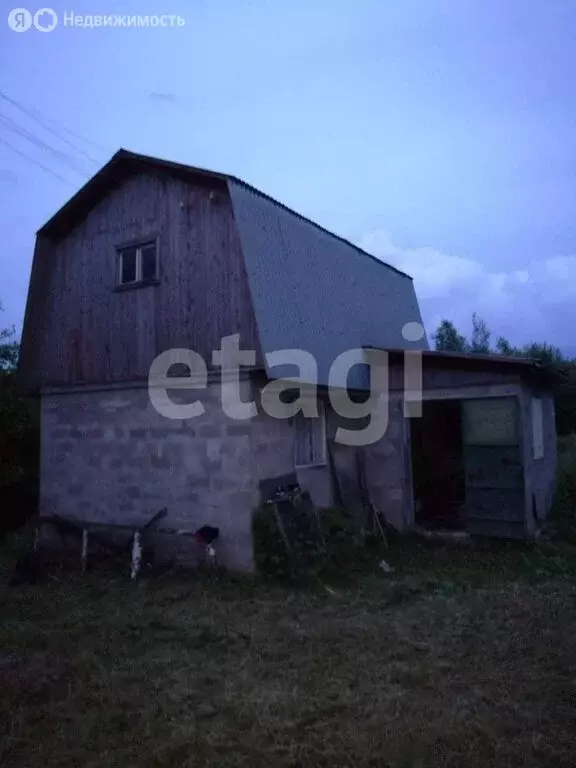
x: 438, y: 466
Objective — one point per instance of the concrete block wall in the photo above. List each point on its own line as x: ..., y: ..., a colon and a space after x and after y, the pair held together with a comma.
x: 388, y: 470
x: 109, y: 456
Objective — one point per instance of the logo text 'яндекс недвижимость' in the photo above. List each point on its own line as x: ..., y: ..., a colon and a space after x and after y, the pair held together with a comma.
x: 46, y: 20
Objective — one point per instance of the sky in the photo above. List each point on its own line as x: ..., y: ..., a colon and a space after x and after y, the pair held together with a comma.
x: 440, y: 135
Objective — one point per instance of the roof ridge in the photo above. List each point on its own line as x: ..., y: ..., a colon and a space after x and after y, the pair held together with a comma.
x: 256, y: 190
x: 301, y: 216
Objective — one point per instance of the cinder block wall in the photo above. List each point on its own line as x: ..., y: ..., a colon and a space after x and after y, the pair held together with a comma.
x: 109, y: 456
x: 388, y: 470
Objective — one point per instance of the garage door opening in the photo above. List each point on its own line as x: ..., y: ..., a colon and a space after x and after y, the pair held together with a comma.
x: 438, y: 466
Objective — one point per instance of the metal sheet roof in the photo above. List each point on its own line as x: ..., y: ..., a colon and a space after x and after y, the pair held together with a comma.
x: 314, y: 291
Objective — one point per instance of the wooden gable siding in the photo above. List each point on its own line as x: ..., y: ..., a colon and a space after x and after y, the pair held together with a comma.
x: 92, y: 333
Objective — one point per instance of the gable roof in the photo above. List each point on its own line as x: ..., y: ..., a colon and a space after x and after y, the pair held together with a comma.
x: 311, y: 289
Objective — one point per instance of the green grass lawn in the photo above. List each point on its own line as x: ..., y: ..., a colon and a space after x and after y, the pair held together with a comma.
x: 459, y: 658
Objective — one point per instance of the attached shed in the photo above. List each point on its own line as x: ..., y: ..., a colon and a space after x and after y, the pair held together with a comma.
x: 480, y: 456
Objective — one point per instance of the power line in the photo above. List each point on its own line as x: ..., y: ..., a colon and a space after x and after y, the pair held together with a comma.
x: 86, y: 140
x: 36, y: 162
x: 47, y: 127
x: 21, y: 131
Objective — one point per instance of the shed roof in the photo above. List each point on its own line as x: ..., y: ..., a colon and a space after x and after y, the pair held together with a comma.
x: 446, y: 359
x: 562, y: 378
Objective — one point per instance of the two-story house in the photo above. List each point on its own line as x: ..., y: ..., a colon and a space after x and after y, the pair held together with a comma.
x: 152, y: 256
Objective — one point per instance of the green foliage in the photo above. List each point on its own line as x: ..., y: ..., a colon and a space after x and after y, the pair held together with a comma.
x: 547, y: 353
x: 346, y: 549
x: 447, y: 339
x: 480, y: 342
x: 503, y: 347
x: 8, y: 348
x: 564, y: 511
x: 544, y: 352
x: 270, y: 554
x: 349, y: 547
x: 566, y: 415
x: 18, y: 441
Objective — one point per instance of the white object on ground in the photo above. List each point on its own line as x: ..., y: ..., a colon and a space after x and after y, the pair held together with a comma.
x: 84, y: 553
x: 136, y: 555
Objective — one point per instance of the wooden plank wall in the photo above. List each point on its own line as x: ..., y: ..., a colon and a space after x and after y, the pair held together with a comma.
x: 90, y: 333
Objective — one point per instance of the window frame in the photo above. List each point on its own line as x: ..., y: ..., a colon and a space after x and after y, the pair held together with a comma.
x: 139, y: 245
x: 321, y: 418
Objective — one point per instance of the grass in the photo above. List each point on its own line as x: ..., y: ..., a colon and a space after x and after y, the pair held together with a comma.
x: 459, y: 658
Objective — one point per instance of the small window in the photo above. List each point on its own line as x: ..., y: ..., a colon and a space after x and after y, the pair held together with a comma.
x: 138, y: 264
x: 128, y: 265
x: 148, y: 257
x: 310, y: 439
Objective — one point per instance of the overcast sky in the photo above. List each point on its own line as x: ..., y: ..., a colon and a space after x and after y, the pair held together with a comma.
x: 438, y: 134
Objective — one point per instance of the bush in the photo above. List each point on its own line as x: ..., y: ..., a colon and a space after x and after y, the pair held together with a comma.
x: 564, y: 511
x: 567, y: 468
x: 19, y: 451
x: 566, y: 415
x: 270, y: 554
x: 347, y: 548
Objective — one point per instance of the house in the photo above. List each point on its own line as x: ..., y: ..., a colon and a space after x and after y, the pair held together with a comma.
x: 154, y: 265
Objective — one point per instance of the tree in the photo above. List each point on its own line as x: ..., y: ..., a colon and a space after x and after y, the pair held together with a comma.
x: 547, y: 353
x: 447, y: 339
x: 503, y: 347
x: 18, y: 441
x: 480, y: 343
x: 8, y: 349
